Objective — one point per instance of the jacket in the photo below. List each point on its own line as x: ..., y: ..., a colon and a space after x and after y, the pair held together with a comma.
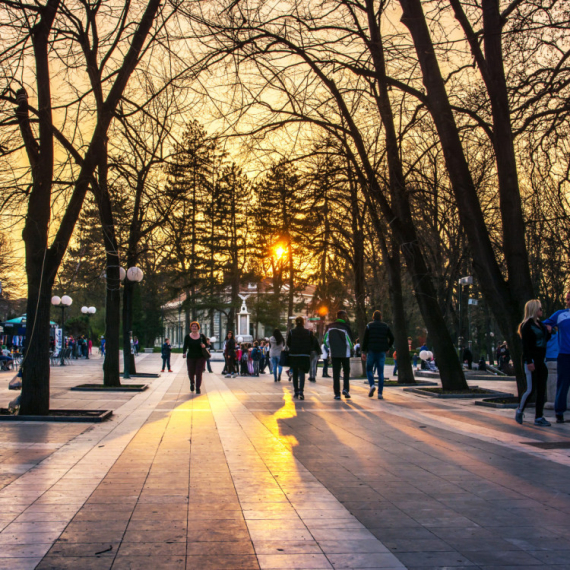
x: 300, y: 342
x: 377, y: 337
x: 339, y: 339
x: 230, y: 348
x: 275, y: 349
x: 534, y: 336
x: 166, y: 349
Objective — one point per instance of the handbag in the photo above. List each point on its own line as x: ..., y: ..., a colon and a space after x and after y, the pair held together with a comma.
x: 205, y: 351
x: 284, y: 357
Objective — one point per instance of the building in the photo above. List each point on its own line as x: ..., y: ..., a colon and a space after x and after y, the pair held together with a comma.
x: 249, y: 320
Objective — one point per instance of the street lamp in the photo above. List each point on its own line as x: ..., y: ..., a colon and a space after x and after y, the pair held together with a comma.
x: 88, y: 311
x: 131, y: 276
x: 463, y: 281
x: 62, y: 302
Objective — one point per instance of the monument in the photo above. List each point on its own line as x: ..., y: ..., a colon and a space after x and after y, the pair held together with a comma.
x: 243, y: 322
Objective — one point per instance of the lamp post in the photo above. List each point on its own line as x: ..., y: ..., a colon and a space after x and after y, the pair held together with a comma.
x: 463, y: 281
x: 88, y: 311
x: 62, y: 302
x: 132, y: 275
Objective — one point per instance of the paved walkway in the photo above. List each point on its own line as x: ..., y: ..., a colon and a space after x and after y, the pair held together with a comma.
x: 243, y: 476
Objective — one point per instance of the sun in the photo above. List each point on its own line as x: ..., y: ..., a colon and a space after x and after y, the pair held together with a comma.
x: 279, y: 251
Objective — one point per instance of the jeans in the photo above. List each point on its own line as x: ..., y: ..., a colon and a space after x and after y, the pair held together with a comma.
x: 375, y: 359
x: 277, y: 370
x: 337, y: 363
x: 535, y: 382
x: 562, y: 383
x: 256, y: 367
x: 298, y: 380
x: 166, y: 361
x: 314, y: 362
x: 395, y: 367
x: 209, y: 366
x: 325, y: 367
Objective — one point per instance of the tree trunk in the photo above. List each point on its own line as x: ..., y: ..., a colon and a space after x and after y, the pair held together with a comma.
x: 35, y: 398
x: 393, y: 268
x: 496, y: 291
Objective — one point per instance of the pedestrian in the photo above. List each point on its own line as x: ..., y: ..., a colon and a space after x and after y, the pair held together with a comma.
x: 315, y: 354
x: 209, y: 347
x: 468, y: 357
x: 325, y: 357
x: 243, y: 360
x: 395, y: 357
x: 102, y: 346
x: 136, y: 345
x: 256, y: 355
x: 378, y: 338
x: 416, y: 360
x: 262, y: 361
x: 535, y: 336
x: 300, y: 342
x: 249, y: 360
x: 503, y: 356
x: 230, y: 355
x: 276, y: 345
x: 165, y: 352
x: 339, y: 341
x: 194, y: 343
x: 561, y: 320
x: 90, y: 347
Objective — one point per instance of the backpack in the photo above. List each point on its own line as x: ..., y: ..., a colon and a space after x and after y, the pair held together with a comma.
x: 256, y: 354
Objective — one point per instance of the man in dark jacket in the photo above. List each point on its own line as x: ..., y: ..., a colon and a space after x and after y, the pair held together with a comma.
x: 339, y: 341
x: 165, y: 353
x: 378, y: 338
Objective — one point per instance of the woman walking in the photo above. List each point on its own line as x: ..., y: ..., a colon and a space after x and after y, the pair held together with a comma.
x: 276, y: 345
x: 300, y: 342
x: 194, y: 342
x: 230, y: 355
x: 534, y: 337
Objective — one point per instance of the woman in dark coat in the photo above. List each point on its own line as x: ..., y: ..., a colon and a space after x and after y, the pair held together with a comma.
x: 300, y: 342
x: 230, y: 355
x: 194, y: 342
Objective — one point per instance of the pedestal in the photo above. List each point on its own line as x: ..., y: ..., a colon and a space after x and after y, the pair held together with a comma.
x: 356, y: 367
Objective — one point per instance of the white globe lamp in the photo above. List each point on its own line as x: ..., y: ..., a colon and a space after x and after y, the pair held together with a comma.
x: 55, y: 300
x: 135, y: 274
x: 66, y: 300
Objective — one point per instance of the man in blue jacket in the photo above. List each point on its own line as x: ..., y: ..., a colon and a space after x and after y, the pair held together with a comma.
x: 561, y: 320
x: 339, y: 341
x: 378, y: 338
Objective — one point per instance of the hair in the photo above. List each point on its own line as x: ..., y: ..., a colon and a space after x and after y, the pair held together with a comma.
x: 166, y: 339
x: 530, y: 312
x: 255, y: 343
x: 278, y: 336
x: 228, y: 334
x: 299, y: 321
x: 377, y: 315
x: 342, y: 315
x: 195, y: 323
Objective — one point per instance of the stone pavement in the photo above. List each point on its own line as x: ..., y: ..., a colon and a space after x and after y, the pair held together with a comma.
x: 243, y: 476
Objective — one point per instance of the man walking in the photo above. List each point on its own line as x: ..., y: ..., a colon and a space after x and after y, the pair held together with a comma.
x: 561, y: 319
x: 339, y: 341
x: 378, y: 338
x: 165, y: 353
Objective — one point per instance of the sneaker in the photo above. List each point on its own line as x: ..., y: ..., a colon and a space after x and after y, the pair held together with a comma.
x: 228, y: 376
x: 301, y: 396
x: 337, y: 397
x: 372, y: 390
x: 380, y: 397
x: 296, y: 395
x: 312, y: 380
x: 192, y: 387
x: 346, y: 394
x: 559, y: 418
x: 198, y: 391
x: 234, y: 375
x: 162, y: 370
x: 170, y: 371
x: 519, y: 417
x: 542, y: 422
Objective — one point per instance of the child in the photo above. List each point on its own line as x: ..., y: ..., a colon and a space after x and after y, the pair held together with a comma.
x: 256, y: 355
